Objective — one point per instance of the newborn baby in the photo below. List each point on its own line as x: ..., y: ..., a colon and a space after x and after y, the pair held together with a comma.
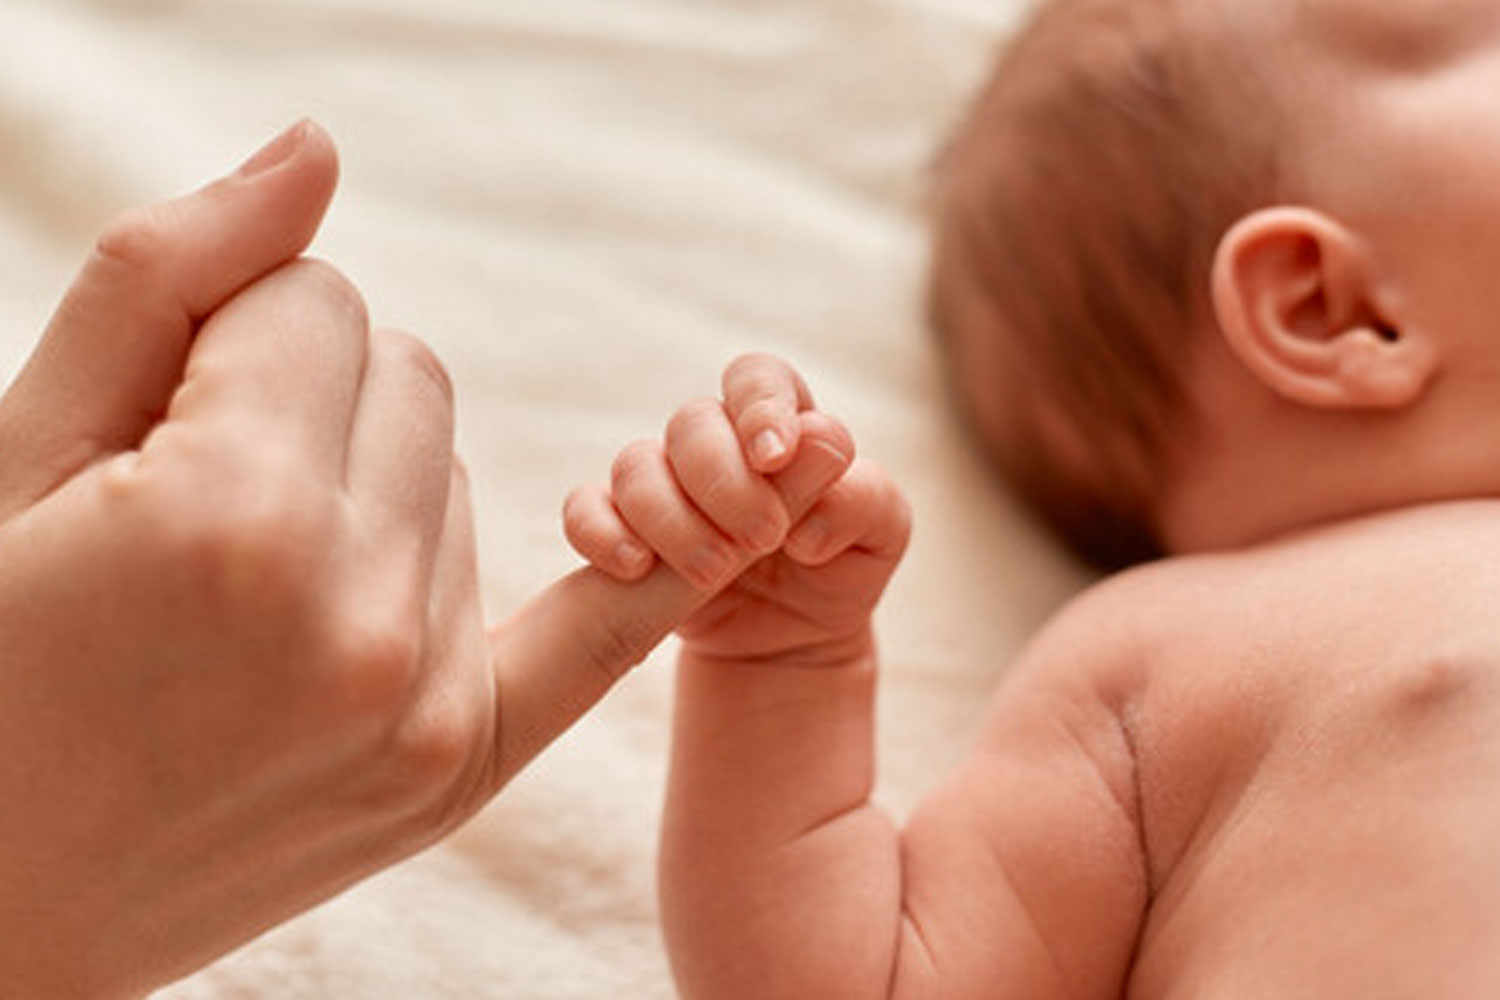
x: 1217, y: 281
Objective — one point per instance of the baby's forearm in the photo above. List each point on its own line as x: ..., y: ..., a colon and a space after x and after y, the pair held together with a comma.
x: 779, y: 878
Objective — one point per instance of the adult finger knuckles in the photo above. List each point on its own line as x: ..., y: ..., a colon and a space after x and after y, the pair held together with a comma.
x: 320, y: 282
x: 372, y: 689
x: 431, y: 760
x: 366, y: 664
x: 142, y: 241
x: 251, y: 535
x: 416, y: 357
x: 263, y: 559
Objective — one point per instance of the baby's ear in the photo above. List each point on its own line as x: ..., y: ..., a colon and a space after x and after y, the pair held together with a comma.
x: 1296, y: 302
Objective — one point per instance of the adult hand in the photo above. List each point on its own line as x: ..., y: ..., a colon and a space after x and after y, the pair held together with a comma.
x: 242, y: 656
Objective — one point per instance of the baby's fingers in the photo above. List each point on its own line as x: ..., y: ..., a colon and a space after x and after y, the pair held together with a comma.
x: 650, y: 499
x: 709, y: 467
x: 599, y: 534
x: 863, y: 511
x: 763, y: 395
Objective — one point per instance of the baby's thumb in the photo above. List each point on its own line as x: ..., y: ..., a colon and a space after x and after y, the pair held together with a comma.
x: 115, y: 350
x: 568, y: 646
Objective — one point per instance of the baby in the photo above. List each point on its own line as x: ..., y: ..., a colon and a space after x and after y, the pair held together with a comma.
x: 1217, y: 280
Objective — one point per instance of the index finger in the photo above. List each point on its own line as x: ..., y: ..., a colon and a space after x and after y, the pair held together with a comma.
x: 763, y: 395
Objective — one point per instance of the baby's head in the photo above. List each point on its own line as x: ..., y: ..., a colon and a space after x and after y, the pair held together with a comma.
x: 1193, y: 264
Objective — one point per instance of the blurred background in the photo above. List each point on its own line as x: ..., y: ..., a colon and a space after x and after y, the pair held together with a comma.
x: 587, y: 207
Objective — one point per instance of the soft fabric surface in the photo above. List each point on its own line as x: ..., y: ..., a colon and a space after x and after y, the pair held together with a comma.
x: 588, y: 207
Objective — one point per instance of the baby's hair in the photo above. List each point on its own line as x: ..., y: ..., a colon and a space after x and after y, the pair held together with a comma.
x: 1077, y: 208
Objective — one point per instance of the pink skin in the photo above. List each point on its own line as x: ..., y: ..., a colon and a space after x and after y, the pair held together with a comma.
x: 760, y: 423
x: 1264, y: 770
x: 785, y: 574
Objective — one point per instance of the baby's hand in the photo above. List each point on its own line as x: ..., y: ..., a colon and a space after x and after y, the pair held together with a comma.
x: 748, y: 500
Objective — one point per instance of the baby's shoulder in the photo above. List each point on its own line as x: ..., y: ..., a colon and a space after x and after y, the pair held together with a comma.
x: 1132, y: 631
x: 1130, y: 614
x: 1283, y: 618
x: 1276, y: 617
x: 1102, y: 643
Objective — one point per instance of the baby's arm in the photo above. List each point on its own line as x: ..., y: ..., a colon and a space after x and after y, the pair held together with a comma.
x: 1026, y: 873
x: 768, y: 820
x: 779, y: 877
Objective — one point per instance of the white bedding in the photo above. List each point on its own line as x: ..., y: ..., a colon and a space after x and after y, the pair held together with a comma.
x: 587, y: 207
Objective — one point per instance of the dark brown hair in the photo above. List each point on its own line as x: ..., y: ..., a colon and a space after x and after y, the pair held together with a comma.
x: 1076, y: 212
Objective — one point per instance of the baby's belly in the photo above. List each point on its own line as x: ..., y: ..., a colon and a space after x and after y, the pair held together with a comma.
x: 1359, y: 858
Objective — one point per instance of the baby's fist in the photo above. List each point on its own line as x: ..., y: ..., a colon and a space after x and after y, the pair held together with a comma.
x: 723, y: 488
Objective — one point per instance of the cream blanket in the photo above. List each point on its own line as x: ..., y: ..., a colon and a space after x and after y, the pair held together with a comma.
x: 587, y: 207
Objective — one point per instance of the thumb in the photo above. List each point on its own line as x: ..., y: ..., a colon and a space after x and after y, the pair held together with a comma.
x: 568, y: 646
x: 114, y: 351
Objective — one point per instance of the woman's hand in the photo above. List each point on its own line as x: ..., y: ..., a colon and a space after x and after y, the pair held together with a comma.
x: 242, y: 656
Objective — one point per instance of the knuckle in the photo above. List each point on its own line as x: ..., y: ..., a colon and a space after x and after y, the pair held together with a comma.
x: 901, y: 515
x: 140, y: 240
x: 256, y: 555
x: 370, y: 669
x: 690, y: 418
x: 880, y: 483
x: 632, y: 465
x: 432, y: 767
x: 435, y: 746
x: 127, y: 490
x: 883, y: 503
x: 759, y: 375
x: 577, y: 516
x: 717, y: 487
x: 254, y: 548
x: 719, y: 496
x: 331, y: 287
x: 752, y: 365
x: 414, y: 354
x: 388, y: 650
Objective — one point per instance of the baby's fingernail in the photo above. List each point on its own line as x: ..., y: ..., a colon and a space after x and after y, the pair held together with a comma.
x: 631, y: 557
x: 768, y: 447
x: 275, y: 152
